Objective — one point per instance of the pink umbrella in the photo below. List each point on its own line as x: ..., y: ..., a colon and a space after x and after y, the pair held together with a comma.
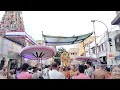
x: 37, y: 52
x: 80, y: 58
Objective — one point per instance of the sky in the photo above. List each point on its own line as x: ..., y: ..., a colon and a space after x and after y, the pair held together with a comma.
x: 65, y: 23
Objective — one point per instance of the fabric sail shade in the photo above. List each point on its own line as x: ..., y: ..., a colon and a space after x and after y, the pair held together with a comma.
x: 61, y: 40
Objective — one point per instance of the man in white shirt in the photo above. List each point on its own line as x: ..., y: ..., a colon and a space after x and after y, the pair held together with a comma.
x: 89, y: 69
x: 45, y: 72
x: 35, y: 74
x: 54, y: 74
x: 3, y: 73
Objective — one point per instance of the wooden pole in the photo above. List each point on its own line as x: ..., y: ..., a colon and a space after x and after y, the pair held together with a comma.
x: 84, y: 48
x: 41, y: 65
x: 23, y: 39
x: 8, y: 67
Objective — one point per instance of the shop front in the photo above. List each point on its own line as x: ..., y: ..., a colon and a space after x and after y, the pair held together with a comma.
x: 14, y: 60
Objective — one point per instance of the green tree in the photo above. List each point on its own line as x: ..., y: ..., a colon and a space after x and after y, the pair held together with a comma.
x: 61, y: 50
x: 58, y: 54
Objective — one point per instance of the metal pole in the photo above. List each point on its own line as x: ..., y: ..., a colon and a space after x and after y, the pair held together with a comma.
x: 107, y: 34
x: 41, y: 66
x: 105, y: 26
x: 95, y: 38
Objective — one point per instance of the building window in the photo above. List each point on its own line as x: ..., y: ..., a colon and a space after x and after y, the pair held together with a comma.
x: 73, y: 53
x: 102, y: 47
x: 117, y: 42
x: 93, y: 50
x: 99, y: 49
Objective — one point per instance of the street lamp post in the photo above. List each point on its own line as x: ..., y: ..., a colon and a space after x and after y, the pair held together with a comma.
x: 95, y: 38
x: 109, y: 39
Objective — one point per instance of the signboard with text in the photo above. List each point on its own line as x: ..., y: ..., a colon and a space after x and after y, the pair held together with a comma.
x: 111, y: 55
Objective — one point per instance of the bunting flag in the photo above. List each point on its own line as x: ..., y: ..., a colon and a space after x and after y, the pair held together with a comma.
x: 60, y: 40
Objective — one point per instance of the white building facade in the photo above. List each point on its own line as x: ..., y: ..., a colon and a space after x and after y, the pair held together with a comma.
x: 104, y: 50
x: 73, y: 52
x: 116, y: 21
x: 107, y: 50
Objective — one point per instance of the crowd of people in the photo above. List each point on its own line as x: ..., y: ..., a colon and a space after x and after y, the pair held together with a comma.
x: 55, y: 71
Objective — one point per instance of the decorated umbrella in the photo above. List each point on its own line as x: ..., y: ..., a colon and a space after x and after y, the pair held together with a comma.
x: 37, y: 52
x: 83, y: 58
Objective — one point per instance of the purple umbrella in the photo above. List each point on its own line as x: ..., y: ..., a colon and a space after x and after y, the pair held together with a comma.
x: 83, y: 58
x: 37, y: 52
